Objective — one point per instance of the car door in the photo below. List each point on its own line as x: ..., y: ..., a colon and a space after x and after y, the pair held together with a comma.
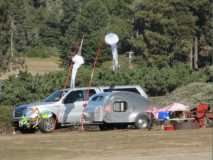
x: 74, y: 104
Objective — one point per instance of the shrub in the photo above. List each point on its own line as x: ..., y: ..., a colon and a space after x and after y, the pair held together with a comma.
x: 5, y: 116
x: 156, y: 81
x: 27, y: 88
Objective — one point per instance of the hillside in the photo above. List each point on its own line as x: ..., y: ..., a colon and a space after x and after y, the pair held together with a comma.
x: 190, y: 94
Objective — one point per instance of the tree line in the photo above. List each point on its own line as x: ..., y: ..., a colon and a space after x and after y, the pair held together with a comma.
x: 163, y: 32
x: 171, y: 41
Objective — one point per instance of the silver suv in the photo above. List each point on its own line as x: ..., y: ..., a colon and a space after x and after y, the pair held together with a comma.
x: 67, y: 105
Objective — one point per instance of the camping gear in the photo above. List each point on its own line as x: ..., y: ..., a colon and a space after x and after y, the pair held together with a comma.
x: 163, y: 116
x: 182, y: 117
x: 168, y: 126
x: 201, y: 111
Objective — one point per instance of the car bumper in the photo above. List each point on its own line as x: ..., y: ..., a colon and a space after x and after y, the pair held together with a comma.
x: 16, y: 122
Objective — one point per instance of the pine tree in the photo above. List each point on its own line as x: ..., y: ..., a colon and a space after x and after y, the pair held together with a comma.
x: 172, y: 29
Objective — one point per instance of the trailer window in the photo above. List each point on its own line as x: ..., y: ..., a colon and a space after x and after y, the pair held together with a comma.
x: 120, y: 106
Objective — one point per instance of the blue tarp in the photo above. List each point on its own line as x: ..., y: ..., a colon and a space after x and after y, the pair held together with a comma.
x: 163, y: 116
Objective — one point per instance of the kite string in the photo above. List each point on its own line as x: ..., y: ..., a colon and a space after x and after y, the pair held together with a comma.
x: 86, y: 97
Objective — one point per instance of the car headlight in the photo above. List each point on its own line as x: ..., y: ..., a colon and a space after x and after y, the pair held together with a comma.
x: 32, y: 112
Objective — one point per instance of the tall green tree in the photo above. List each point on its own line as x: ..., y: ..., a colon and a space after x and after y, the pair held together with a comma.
x: 172, y: 30
x: 161, y: 32
x: 204, y: 30
x: 51, y: 30
x: 4, y: 28
x: 70, y: 27
x: 84, y: 18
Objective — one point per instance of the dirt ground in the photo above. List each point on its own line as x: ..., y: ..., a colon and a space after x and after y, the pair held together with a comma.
x: 190, y: 144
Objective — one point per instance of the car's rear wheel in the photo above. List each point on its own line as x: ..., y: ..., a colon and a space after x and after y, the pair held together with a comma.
x: 47, y: 125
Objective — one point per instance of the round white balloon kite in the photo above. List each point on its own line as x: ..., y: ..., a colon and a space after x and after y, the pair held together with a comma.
x: 112, y: 40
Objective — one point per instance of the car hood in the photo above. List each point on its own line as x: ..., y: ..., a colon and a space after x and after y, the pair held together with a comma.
x: 34, y: 104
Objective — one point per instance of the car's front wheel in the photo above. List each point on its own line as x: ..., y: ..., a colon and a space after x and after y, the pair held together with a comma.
x: 26, y: 130
x: 47, y: 125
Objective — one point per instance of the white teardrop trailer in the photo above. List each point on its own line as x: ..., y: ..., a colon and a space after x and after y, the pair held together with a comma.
x: 118, y: 110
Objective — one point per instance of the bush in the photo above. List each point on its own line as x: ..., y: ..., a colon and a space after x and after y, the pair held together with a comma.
x: 5, y: 116
x: 156, y: 81
x: 27, y: 88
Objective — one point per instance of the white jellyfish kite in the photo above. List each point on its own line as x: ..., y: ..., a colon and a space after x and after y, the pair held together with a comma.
x: 78, y: 60
x: 112, y: 40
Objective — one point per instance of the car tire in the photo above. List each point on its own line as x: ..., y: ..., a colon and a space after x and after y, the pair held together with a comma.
x: 26, y: 130
x: 47, y: 125
x: 142, y: 122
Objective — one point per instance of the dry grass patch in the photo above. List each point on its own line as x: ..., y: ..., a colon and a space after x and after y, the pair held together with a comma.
x: 110, y: 145
x: 38, y: 66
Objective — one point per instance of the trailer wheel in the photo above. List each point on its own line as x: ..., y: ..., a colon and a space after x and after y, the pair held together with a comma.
x: 143, y: 122
x: 106, y: 126
x: 47, y: 125
x: 121, y: 126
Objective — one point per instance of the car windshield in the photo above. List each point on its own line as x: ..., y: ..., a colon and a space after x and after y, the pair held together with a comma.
x: 98, y: 98
x: 55, y: 96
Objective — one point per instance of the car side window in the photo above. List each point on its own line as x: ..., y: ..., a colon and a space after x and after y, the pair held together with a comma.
x: 90, y: 93
x: 97, y: 98
x: 120, y: 106
x: 134, y: 90
x: 74, y: 96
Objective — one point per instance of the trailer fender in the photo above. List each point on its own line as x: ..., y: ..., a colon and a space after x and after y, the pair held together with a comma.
x: 132, y: 117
